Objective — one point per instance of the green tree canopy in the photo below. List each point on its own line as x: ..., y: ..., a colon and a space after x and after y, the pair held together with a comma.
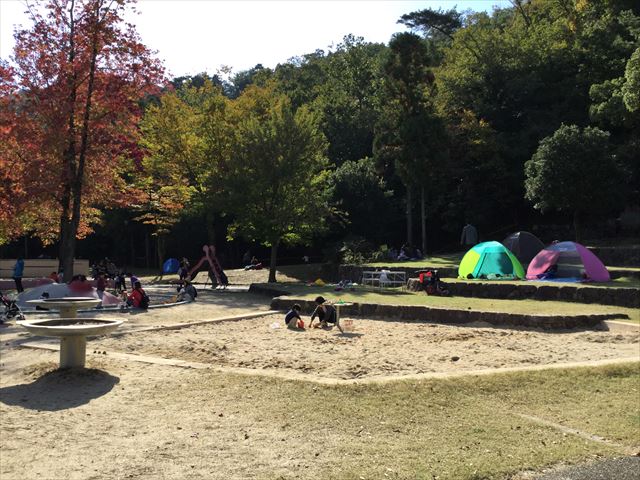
x: 277, y: 181
x: 573, y: 171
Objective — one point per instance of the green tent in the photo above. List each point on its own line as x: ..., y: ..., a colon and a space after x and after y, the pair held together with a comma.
x: 490, y: 260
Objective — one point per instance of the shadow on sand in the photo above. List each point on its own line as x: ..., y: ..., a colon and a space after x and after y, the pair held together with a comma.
x: 60, y: 389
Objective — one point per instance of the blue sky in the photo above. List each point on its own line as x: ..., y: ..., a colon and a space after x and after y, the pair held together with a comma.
x: 192, y: 36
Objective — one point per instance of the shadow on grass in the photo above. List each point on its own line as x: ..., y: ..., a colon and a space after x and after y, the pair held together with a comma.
x: 60, y: 389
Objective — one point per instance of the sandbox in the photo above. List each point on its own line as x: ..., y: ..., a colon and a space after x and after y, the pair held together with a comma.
x: 376, y: 349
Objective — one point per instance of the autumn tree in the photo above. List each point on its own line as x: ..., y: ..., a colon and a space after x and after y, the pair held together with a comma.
x: 70, y: 108
x: 277, y: 179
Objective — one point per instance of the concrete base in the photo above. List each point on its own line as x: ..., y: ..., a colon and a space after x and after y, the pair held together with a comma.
x: 73, y: 351
x: 68, y: 312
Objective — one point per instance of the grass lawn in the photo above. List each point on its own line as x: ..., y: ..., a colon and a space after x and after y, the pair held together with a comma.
x: 399, y: 297
x: 469, y: 428
x: 451, y: 260
x: 622, y: 282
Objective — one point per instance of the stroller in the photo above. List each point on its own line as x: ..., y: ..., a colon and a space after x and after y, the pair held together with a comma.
x: 11, y: 310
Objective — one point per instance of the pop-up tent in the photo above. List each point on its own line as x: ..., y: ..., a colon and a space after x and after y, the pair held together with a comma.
x: 490, y: 260
x: 524, y: 246
x: 567, y: 261
x: 171, y: 265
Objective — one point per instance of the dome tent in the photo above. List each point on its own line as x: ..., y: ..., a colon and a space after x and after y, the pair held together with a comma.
x: 567, y: 261
x: 490, y: 259
x: 524, y: 245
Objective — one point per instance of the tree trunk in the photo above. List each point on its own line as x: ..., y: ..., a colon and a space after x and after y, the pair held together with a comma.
x: 272, y: 263
x: 66, y: 249
x: 423, y: 220
x: 146, y: 249
x: 132, y: 248
x: 409, y: 217
x: 210, y: 219
x: 70, y: 232
x: 160, y: 252
x: 576, y: 226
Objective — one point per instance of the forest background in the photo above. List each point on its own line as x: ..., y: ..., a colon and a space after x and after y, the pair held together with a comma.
x: 523, y: 118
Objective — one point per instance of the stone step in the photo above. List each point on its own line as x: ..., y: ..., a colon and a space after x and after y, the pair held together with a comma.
x: 618, y: 296
x: 403, y: 313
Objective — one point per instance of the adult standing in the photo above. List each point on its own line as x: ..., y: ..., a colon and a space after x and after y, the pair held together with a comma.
x: 18, y: 271
x: 469, y: 236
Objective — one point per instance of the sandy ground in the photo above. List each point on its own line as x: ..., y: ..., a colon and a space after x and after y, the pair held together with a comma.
x: 375, y: 349
x: 128, y: 419
x: 209, y: 305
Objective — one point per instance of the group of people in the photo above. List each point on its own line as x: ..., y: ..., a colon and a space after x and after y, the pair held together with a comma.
x: 406, y: 252
x: 325, y: 313
x: 251, y: 262
x: 105, y: 267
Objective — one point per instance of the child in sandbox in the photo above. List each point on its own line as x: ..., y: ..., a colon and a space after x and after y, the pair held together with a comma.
x: 292, y: 318
x: 326, y: 313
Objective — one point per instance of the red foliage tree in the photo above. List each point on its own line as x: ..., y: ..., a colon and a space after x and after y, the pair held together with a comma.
x: 69, y: 108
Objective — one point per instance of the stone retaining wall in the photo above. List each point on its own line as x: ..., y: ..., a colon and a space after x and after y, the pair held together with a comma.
x: 445, y: 316
x: 621, y: 297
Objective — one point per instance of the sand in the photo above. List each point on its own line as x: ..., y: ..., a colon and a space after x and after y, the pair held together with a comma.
x: 375, y: 349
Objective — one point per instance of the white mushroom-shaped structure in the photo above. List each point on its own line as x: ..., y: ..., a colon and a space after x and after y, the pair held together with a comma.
x: 73, y: 333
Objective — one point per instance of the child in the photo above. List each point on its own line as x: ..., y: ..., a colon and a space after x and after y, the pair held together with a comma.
x: 138, y: 297
x: 292, y: 318
x: 101, y: 286
x: 325, y: 313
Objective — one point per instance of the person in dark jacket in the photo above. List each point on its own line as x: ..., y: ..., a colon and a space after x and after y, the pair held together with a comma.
x: 18, y: 271
x: 326, y: 313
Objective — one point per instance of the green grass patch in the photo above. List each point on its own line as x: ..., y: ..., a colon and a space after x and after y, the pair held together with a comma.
x: 622, y: 282
x: 404, y: 297
x: 451, y: 260
x: 464, y: 428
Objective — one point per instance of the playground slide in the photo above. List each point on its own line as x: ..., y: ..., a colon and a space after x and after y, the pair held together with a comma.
x: 214, y: 265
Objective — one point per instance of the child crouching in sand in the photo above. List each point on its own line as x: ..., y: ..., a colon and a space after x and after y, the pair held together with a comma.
x: 325, y: 313
x: 292, y: 318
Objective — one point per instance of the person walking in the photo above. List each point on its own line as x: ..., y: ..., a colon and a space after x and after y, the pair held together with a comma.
x: 18, y: 271
x: 469, y: 236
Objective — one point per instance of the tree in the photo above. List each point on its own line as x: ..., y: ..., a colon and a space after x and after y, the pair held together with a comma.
x: 526, y: 70
x: 364, y: 196
x: 277, y: 179
x: 631, y: 88
x: 573, y: 171
x: 79, y: 74
x: 409, y: 133
x: 349, y: 98
x: 187, y: 140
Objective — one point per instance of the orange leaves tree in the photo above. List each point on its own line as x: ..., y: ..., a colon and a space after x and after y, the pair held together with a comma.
x: 70, y: 103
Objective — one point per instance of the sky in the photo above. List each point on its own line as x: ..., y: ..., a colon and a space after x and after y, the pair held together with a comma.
x: 194, y: 36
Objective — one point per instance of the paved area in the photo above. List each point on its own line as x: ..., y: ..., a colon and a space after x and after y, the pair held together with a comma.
x: 626, y: 468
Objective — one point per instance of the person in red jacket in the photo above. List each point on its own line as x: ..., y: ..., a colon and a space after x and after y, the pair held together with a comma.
x: 138, y: 298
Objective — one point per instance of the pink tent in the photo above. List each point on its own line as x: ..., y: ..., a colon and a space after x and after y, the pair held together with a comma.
x: 567, y: 260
